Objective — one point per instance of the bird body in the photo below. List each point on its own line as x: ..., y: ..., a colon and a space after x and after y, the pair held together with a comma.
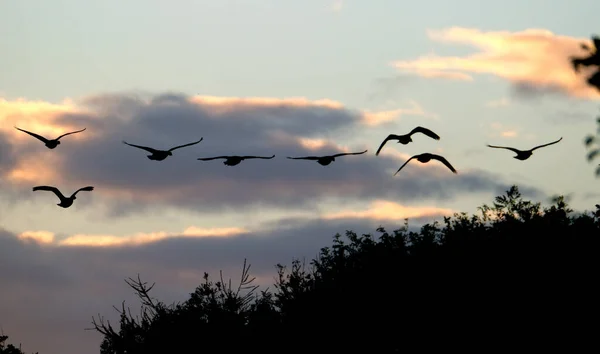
x: 65, y: 202
x: 159, y: 155
x: 426, y: 157
x: 326, y: 160
x: 407, y: 138
x: 234, y: 160
x: 50, y: 143
x: 523, y: 154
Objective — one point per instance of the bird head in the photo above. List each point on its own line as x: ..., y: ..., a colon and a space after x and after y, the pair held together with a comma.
x: 332, y: 158
x: 57, y: 142
x: 170, y: 153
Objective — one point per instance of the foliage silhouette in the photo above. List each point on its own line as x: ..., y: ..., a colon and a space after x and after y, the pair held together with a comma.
x: 592, y: 143
x: 592, y: 60
x: 9, y: 348
x: 515, y: 273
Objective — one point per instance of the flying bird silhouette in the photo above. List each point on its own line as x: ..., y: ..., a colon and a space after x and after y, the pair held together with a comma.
x: 426, y: 157
x: 159, y: 155
x: 406, y: 138
x: 523, y: 154
x: 64, y: 201
x: 326, y: 160
x: 50, y: 143
x: 234, y: 160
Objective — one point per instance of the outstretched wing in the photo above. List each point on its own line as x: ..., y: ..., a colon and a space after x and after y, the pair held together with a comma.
x: 65, y: 134
x: 305, y: 158
x: 552, y: 143
x: 149, y: 149
x: 444, y: 161
x: 180, y: 146
x: 258, y: 157
x: 425, y: 131
x: 87, y: 189
x: 505, y: 147
x: 348, y: 153
x: 401, y: 167
x: 389, y: 137
x: 49, y: 189
x: 212, y: 158
x: 39, y: 137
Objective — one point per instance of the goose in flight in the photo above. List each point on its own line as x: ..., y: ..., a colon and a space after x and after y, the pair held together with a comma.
x: 159, y: 155
x: 326, y: 160
x: 50, y: 143
x: 64, y: 201
x: 523, y: 154
x: 234, y: 160
x: 406, y: 138
x: 426, y: 157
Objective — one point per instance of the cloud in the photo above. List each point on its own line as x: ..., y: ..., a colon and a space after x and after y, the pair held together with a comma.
x: 563, y: 116
x: 75, y: 282
x: 386, y: 210
x: 534, y: 61
x: 49, y: 238
x: 382, y: 117
x: 503, y: 102
x: 499, y: 130
x: 126, y: 181
x: 337, y: 5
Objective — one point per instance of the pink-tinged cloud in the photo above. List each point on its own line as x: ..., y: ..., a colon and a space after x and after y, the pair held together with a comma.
x: 386, y: 210
x: 532, y: 58
x: 92, y: 240
x: 126, y: 181
x: 381, y: 117
x: 499, y: 130
x: 503, y: 102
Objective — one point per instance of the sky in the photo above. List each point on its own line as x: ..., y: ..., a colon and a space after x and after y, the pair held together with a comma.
x: 277, y: 77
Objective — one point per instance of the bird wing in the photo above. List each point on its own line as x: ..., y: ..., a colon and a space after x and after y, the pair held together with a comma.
x: 87, y: 189
x: 540, y: 146
x: 213, y: 158
x: 506, y: 147
x: 348, y: 153
x: 407, y: 161
x: 33, y: 135
x: 184, y: 145
x: 257, y: 157
x: 305, y: 158
x: 425, y: 131
x: 149, y: 149
x: 65, y: 134
x: 389, y: 137
x: 444, y: 161
x: 49, y: 189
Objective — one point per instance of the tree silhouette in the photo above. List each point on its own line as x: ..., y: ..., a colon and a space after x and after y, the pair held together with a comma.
x: 593, y: 145
x: 592, y: 60
x: 515, y: 273
x: 9, y: 348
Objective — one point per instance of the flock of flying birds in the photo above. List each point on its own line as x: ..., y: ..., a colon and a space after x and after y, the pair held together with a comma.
x: 232, y: 160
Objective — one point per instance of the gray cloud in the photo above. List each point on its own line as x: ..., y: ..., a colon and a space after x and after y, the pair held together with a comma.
x: 524, y: 90
x: 167, y: 120
x: 49, y: 294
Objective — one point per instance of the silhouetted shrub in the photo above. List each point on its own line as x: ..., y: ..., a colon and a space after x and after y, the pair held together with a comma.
x: 514, y: 274
x: 592, y: 60
x: 9, y: 348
